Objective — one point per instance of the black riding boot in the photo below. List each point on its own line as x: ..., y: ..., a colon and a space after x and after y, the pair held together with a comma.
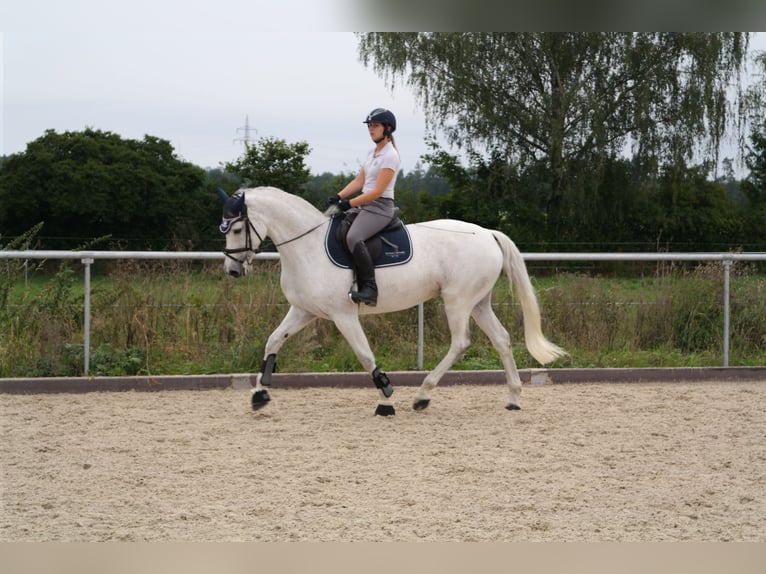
x: 365, y: 277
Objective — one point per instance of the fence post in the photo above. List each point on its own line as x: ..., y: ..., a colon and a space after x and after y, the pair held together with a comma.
x: 420, y: 337
x: 87, y: 261
x: 726, y: 309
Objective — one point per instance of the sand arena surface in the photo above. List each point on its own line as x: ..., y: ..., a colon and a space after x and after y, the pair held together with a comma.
x: 585, y: 462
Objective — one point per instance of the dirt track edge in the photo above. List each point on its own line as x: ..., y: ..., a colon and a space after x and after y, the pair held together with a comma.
x: 361, y: 380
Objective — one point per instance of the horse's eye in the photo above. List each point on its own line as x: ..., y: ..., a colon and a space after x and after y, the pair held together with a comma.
x: 237, y: 230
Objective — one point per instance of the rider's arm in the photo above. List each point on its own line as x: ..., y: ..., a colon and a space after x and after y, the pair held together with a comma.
x: 353, y: 186
x: 384, y: 179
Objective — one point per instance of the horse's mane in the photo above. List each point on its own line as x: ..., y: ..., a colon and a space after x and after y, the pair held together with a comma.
x: 290, y: 201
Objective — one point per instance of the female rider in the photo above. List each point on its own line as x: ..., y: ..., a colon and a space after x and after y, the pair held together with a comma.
x: 374, y: 207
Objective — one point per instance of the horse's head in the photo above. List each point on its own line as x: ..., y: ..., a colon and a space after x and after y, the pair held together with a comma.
x: 238, y: 230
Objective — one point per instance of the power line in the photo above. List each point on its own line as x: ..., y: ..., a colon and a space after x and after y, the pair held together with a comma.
x: 246, y: 129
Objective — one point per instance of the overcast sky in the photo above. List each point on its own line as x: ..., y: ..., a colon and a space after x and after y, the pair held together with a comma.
x: 191, y: 74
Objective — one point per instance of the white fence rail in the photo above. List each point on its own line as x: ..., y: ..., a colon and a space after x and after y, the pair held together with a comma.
x: 87, y: 258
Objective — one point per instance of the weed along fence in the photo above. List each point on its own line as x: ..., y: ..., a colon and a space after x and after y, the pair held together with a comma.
x: 88, y: 258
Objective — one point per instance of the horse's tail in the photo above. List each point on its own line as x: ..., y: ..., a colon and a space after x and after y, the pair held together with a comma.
x: 516, y: 270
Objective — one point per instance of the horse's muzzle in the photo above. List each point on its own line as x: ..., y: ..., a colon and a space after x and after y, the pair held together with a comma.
x: 233, y: 267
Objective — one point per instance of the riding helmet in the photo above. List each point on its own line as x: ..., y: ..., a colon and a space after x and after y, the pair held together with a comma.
x: 382, y: 116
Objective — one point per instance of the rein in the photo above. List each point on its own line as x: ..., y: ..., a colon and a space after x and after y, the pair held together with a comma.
x: 305, y: 233
x: 248, y: 241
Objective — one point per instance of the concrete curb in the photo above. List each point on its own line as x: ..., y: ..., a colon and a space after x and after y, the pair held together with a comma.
x: 362, y: 380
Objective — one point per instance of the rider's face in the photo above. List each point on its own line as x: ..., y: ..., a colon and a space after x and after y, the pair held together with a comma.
x: 376, y: 130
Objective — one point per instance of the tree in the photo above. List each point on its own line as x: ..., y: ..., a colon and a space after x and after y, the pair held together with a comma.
x: 697, y: 214
x: 418, y: 193
x: 273, y: 162
x: 90, y: 184
x: 754, y: 189
x: 562, y: 98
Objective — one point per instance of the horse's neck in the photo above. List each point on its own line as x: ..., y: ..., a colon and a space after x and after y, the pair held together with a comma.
x: 285, y: 216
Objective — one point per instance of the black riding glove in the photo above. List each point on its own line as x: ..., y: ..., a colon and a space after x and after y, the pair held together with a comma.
x: 333, y: 200
x: 344, y: 204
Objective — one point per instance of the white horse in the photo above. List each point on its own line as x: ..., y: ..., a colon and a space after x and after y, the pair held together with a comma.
x: 459, y: 261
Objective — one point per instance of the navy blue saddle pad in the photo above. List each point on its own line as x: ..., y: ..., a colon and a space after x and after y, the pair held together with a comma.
x: 388, y: 248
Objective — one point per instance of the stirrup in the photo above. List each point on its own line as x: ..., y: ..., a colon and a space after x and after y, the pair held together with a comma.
x: 367, y: 292
x: 357, y: 298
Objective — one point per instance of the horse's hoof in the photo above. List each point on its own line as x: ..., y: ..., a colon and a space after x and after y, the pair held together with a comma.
x: 259, y: 399
x: 385, y: 410
x: 421, y: 404
x: 512, y: 407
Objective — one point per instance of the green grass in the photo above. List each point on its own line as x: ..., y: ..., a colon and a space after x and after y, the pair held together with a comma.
x: 183, y: 318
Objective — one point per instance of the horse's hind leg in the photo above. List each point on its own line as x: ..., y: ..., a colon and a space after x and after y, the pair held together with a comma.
x: 489, y: 323
x: 457, y: 319
x: 295, y: 320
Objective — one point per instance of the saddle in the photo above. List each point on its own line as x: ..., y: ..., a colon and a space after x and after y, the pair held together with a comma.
x: 391, y: 246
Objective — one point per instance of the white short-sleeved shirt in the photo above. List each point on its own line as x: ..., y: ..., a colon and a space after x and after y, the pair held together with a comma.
x: 388, y: 158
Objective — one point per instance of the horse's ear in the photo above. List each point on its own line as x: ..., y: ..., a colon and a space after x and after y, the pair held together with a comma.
x: 233, y: 206
x: 222, y: 194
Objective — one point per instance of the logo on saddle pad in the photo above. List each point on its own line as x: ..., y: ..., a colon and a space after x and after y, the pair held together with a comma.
x: 392, y: 246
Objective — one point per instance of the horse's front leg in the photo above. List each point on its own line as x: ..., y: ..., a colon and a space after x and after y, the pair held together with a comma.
x: 295, y: 320
x: 351, y: 329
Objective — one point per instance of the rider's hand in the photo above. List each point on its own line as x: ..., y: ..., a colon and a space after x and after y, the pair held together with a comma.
x: 344, y: 204
x: 333, y: 200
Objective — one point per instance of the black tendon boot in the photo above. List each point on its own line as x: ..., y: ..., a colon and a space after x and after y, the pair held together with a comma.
x: 365, y: 277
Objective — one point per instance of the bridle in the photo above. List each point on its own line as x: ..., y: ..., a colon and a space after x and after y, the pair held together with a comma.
x: 225, y: 227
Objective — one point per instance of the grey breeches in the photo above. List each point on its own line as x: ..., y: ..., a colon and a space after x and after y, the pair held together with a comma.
x: 371, y: 218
